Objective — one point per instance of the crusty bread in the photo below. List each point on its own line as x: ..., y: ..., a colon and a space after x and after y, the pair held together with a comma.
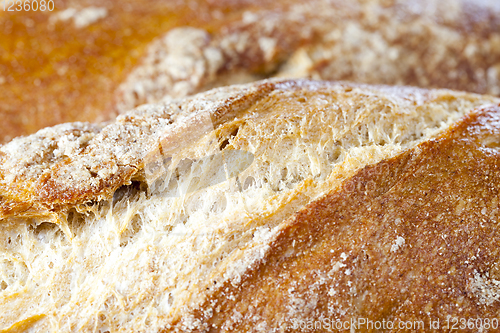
x: 408, y: 244
x: 58, y: 70
x: 129, y: 226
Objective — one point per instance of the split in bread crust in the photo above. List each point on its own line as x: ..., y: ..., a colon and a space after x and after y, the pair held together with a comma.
x: 412, y: 239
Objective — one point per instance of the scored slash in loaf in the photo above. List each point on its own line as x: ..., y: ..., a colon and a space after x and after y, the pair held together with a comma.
x: 110, y: 227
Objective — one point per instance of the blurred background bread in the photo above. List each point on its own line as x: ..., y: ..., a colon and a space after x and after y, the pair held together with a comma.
x: 65, y: 65
x: 91, y: 60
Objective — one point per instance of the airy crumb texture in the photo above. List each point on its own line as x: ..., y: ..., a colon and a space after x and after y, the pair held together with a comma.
x: 410, y: 240
x: 131, y: 225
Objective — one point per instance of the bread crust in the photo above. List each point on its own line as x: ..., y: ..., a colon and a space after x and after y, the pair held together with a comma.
x: 445, y: 44
x: 412, y: 238
x: 48, y: 173
x: 55, y: 70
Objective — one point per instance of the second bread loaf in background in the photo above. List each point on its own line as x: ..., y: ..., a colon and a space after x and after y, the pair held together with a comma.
x: 145, y: 51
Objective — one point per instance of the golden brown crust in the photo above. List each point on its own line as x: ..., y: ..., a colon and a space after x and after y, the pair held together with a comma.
x: 71, y: 164
x: 413, y: 238
x: 53, y: 71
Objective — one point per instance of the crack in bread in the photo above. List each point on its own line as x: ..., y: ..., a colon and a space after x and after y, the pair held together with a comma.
x: 411, y: 239
x: 124, y: 254
x: 76, y: 163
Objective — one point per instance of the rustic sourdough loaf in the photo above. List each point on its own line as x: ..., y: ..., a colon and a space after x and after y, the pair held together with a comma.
x: 168, y: 217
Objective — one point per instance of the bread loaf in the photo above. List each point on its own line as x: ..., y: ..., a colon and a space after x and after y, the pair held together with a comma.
x: 58, y: 69
x: 320, y: 194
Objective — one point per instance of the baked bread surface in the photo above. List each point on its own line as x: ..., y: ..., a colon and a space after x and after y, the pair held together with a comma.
x: 129, y: 226
x: 143, y: 51
x: 410, y: 241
